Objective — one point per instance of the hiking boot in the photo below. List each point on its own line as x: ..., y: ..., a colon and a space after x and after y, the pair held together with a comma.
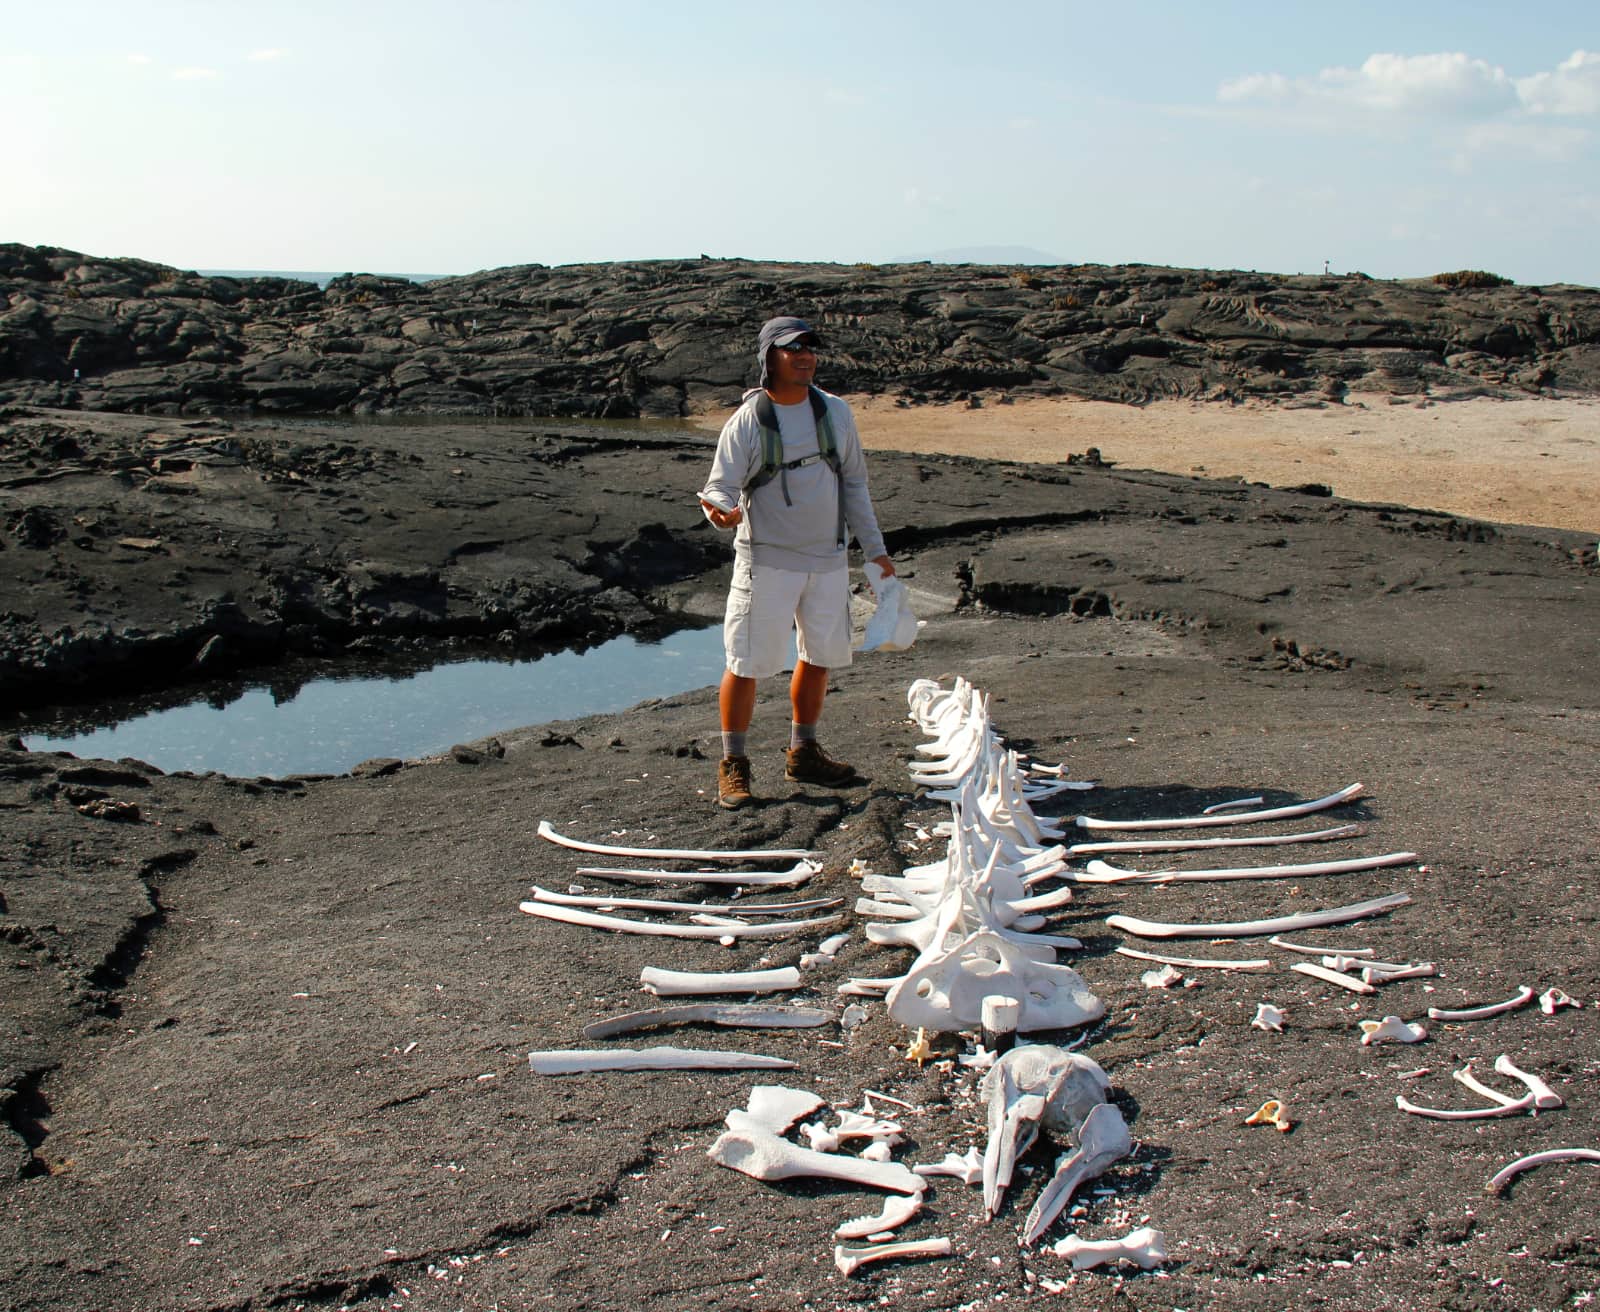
x: 733, y: 782
x: 809, y: 764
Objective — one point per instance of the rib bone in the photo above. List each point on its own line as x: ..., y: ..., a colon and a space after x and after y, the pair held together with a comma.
x: 1201, y: 844
x: 1251, y: 928
x: 1115, y: 873
x: 1523, y: 997
x: 1196, y: 963
x: 746, y: 1015
x: 668, y: 983
x: 765, y: 1156
x: 1474, y: 1114
x: 1144, y: 1248
x: 546, y: 831
x: 664, y: 904
x: 574, y: 916
x: 1102, y: 1139
x: 795, y: 874
x: 576, y: 1061
x: 1233, y: 818
x: 1331, y: 976
x: 1504, y: 1176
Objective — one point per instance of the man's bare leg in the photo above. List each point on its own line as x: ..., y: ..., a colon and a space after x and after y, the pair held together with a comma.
x: 808, y: 763
x: 736, y: 703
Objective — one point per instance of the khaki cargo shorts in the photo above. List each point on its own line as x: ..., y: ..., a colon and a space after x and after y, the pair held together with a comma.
x: 766, y: 605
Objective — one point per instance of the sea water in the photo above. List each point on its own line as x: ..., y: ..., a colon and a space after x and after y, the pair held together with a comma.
x: 330, y: 724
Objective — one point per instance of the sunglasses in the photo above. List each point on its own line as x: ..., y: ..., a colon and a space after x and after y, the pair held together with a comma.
x: 794, y: 348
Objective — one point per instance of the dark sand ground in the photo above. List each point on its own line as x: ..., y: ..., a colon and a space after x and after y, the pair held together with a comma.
x: 267, y: 1045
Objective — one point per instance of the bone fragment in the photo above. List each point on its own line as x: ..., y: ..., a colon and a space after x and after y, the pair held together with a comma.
x: 671, y: 983
x: 862, y: 1125
x: 897, y: 1210
x: 966, y: 1167
x: 767, y: 1157
x: 852, y: 1016
x: 1523, y: 997
x: 1103, y: 1138
x: 1164, y: 978
x: 546, y: 831
x: 744, y: 1015
x: 1312, y: 951
x: 877, y: 1151
x: 1000, y: 1017
x: 1232, y: 818
x: 576, y: 916
x: 1551, y: 999
x: 1465, y: 1077
x: 1273, y: 1113
x: 774, y: 1108
x: 1250, y: 928
x: 1506, y: 1174
x: 1374, y: 974
x: 744, y: 908
x: 1117, y: 874
x: 1331, y: 976
x: 829, y: 947
x: 1473, y: 1114
x: 795, y: 874
x: 1268, y: 1017
x: 1144, y: 1248
x: 850, y: 1259
x: 574, y: 1061
x: 1201, y: 844
x: 1237, y: 804
x: 1544, y: 1097
x: 820, y: 1137
x: 1195, y: 963
x: 1391, y: 1029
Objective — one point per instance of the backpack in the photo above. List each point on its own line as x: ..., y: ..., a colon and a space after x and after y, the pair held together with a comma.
x: 773, y: 465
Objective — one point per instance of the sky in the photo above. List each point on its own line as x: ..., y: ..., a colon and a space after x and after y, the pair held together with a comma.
x: 1400, y: 139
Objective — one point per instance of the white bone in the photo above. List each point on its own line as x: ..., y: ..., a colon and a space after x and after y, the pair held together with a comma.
x: 1544, y: 1097
x: 664, y: 904
x: 867, y: 988
x: 1250, y: 928
x: 546, y: 831
x: 1103, y: 1138
x: 1164, y: 978
x: 1311, y: 951
x: 820, y: 1137
x: 1032, y: 1087
x: 851, y: 1259
x: 775, y: 1107
x: 1475, y: 1114
x: 1551, y: 999
x: 798, y: 873
x: 1523, y: 997
x: 1391, y: 1029
x: 860, y: 1125
x: 1373, y: 974
x: 1268, y: 1017
x: 1197, y: 963
x: 1506, y: 1174
x: 1144, y: 1248
x: 706, y: 918
x: 897, y: 1210
x: 1235, y: 818
x: 877, y: 1151
x: 672, y: 983
x: 829, y: 947
x: 966, y: 1167
x: 946, y: 991
x: 1202, y: 844
x: 1465, y: 1077
x: 767, y: 1157
x: 746, y: 1015
x: 1234, y: 805
x: 575, y: 916
x: 1332, y: 976
x: 575, y: 1061
x: 1348, y: 961
x: 1102, y: 868
x: 852, y: 1016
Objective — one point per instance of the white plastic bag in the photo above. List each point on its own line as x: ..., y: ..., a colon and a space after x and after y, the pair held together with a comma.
x: 893, y: 626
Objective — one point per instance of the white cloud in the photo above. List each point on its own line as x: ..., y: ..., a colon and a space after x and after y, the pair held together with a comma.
x: 140, y: 59
x: 1453, y: 85
x: 263, y: 56
x: 840, y: 96
x: 195, y: 74
x: 1573, y: 88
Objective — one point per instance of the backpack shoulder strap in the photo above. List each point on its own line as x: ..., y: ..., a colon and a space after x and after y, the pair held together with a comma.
x: 771, y: 442
x: 827, y: 443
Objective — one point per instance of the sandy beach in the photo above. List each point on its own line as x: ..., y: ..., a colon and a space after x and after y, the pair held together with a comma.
x: 1512, y: 462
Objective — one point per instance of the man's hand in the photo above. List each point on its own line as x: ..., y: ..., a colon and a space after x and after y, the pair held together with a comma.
x: 886, y: 565
x: 725, y: 518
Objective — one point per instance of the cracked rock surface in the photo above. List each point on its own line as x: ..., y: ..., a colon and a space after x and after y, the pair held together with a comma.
x: 264, y: 1043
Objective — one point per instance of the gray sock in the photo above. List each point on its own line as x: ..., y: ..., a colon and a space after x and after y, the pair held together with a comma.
x: 732, y: 743
x: 801, y: 733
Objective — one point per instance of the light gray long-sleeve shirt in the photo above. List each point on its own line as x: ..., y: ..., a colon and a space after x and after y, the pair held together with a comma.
x: 802, y: 536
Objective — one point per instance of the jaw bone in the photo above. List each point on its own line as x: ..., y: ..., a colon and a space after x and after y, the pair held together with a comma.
x: 1103, y: 1138
x: 1032, y: 1087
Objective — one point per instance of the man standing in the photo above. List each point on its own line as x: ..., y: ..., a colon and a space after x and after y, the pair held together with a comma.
x: 790, y: 479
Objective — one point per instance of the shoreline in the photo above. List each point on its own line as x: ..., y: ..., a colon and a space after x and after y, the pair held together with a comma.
x: 1529, y: 462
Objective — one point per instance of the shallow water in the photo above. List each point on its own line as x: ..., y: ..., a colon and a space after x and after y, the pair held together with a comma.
x: 330, y: 724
